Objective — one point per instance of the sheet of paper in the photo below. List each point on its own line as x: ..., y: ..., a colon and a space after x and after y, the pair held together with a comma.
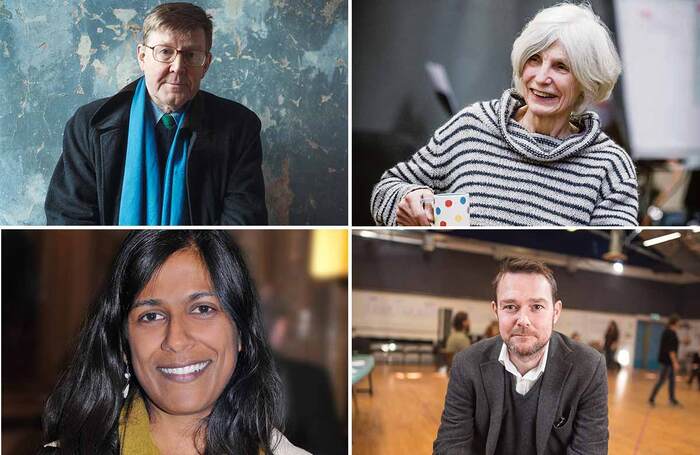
x: 659, y: 44
x: 441, y: 84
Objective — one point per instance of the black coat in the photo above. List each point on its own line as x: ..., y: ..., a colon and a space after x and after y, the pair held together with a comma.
x: 224, y: 178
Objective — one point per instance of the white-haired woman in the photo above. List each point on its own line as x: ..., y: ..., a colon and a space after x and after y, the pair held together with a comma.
x: 534, y: 156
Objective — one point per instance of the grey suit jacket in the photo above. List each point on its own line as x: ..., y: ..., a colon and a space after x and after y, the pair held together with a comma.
x: 572, y: 413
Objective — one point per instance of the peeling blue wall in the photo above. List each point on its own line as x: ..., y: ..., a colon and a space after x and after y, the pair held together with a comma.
x: 284, y: 59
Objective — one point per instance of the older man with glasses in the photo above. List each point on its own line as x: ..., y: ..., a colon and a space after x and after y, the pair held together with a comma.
x: 162, y: 151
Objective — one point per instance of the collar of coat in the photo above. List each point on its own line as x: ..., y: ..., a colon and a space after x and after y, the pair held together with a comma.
x: 115, y: 111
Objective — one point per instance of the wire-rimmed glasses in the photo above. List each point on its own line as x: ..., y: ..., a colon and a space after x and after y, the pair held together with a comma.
x: 167, y: 54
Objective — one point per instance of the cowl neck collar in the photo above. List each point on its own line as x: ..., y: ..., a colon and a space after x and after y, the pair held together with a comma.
x: 540, y: 147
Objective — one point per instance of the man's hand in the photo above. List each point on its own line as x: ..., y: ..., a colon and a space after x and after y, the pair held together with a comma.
x: 410, y: 211
x: 674, y: 362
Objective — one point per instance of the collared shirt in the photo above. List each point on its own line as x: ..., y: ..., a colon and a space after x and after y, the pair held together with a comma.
x: 157, y: 113
x: 523, y: 383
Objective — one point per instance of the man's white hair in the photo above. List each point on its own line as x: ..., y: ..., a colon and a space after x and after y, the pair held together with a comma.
x: 593, y: 59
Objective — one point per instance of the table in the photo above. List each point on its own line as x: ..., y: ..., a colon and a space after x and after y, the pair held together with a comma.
x: 362, y: 366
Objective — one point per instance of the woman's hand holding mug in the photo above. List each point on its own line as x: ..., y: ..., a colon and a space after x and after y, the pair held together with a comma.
x: 412, y: 211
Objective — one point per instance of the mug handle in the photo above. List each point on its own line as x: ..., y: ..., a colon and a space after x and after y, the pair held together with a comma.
x: 428, y: 201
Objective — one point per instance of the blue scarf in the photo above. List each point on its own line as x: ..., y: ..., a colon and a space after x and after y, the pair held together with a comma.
x: 148, y: 199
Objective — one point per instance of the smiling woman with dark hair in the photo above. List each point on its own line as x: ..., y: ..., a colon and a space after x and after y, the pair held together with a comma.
x: 172, y: 358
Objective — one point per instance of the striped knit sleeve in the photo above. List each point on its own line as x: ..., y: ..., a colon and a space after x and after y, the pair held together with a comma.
x: 618, y: 203
x: 425, y: 169
x: 416, y: 173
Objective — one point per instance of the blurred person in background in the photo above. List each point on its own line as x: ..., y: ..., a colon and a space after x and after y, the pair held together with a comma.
x: 668, y: 358
x: 694, y: 369
x: 535, y: 156
x: 459, y: 337
x: 491, y: 330
x: 310, y: 418
x: 612, y: 338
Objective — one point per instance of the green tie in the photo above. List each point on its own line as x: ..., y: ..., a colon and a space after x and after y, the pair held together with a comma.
x: 168, y: 121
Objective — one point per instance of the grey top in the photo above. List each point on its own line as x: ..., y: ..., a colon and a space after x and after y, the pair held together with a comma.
x: 515, y: 177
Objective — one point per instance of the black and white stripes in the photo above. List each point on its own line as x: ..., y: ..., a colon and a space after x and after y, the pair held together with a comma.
x: 515, y: 177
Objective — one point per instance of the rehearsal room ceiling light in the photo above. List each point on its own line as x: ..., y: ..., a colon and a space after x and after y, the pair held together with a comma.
x: 583, y: 250
x: 662, y: 239
x: 618, y: 267
x: 369, y: 234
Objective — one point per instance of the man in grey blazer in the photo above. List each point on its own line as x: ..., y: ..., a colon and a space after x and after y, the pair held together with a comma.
x: 529, y: 390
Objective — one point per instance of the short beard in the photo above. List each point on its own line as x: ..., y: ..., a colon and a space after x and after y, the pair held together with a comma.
x: 528, y: 353
x: 537, y: 347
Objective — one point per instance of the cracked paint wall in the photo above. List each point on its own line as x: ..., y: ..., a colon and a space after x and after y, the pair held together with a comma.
x: 284, y: 59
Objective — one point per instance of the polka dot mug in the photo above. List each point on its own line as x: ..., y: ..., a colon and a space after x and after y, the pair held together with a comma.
x: 449, y: 209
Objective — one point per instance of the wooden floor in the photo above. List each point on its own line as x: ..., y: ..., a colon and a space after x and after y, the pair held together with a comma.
x: 403, y: 414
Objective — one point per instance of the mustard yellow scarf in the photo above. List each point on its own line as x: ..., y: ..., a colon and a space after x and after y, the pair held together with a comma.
x: 135, y: 431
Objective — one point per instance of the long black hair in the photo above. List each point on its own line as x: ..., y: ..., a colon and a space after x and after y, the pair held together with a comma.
x: 82, y: 413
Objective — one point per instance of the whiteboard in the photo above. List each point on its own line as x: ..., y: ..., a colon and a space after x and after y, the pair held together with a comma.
x: 410, y: 316
x: 660, y: 48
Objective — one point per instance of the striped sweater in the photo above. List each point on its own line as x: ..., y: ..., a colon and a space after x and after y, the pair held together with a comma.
x: 515, y: 177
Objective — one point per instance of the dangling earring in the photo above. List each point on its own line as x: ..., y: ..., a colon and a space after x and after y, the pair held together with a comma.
x: 127, y: 376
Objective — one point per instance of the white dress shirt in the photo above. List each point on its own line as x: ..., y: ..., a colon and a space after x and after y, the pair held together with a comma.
x: 523, y: 383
